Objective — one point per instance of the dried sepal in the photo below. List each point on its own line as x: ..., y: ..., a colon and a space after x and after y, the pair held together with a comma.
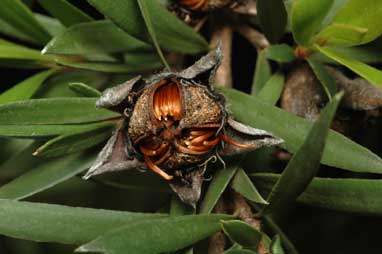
x: 114, y: 157
x: 246, y: 138
x: 122, y: 94
x: 189, y: 186
x: 205, y: 68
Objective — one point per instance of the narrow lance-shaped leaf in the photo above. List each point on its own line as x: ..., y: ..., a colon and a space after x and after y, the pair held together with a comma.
x: 125, y: 14
x: 84, y: 90
x: 172, y: 33
x: 327, y: 81
x: 369, y: 73
x: 16, y: 14
x: 280, y: 53
x: 356, y: 22
x: 369, y: 53
x: 357, y: 196
x: 273, y: 18
x: 8, y: 30
x: 272, y: 89
x: 217, y: 186
x: 242, y: 233
x: 112, y: 67
x: 338, y: 34
x: 178, y: 208
x: 276, y: 247
x: 64, y: 11
x: 243, y: 185
x: 307, y: 18
x: 293, y: 130
x: 47, y: 130
x: 304, y: 164
x: 74, y: 142
x: 45, y: 176
x: 10, y: 50
x: 262, y: 72
x: 25, y: 89
x: 143, y: 6
x: 94, y: 37
x: 69, y: 225
x: 52, y: 111
x: 164, y: 235
x: 51, y: 25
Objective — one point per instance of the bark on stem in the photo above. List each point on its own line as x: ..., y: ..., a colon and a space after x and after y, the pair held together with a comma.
x: 217, y: 242
x: 224, y: 72
x: 244, y: 212
x: 256, y: 38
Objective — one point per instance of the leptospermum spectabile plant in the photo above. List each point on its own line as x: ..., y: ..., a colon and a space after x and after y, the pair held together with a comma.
x: 200, y: 126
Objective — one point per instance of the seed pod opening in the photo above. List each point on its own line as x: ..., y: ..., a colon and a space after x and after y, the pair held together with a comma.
x: 173, y: 124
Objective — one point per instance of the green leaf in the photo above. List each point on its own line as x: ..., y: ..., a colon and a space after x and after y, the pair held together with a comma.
x: 45, y: 176
x: 277, y: 230
x: 178, y: 208
x: 58, y: 85
x: 17, y: 15
x: 84, y: 90
x: 25, y: 89
x: 327, y: 81
x: 64, y: 11
x: 94, y: 38
x: 143, y: 6
x: 125, y: 14
x: 172, y: 33
x: 304, y: 164
x: 276, y: 247
x: 71, y: 143
x: 8, y: 30
x: 339, y: 151
x: 217, y: 186
x: 243, y: 185
x: 273, y: 18
x: 356, y: 196
x: 364, y: 16
x: 281, y: 53
x: 307, y: 18
x: 145, y: 182
x: 69, y: 225
x: 53, y: 111
x: 163, y: 235
x: 52, y: 25
x: 367, y: 72
x: 46, y: 130
x: 272, y: 89
x: 14, y: 51
x: 262, y: 72
x: 370, y: 53
x: 111, y: 67
x: 341, y: 35
x: 242, y: 233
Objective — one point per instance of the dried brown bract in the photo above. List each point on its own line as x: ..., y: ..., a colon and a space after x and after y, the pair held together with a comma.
x: 174, y: 124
